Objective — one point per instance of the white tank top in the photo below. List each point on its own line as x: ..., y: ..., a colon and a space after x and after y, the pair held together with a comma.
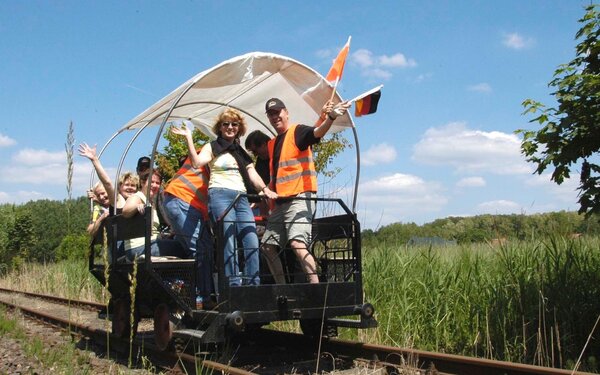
x: 224, y: 173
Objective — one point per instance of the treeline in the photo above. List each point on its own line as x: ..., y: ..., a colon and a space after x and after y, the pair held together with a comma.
x: 482, y: 228
x: 42, y: 231
x: 48, y: 230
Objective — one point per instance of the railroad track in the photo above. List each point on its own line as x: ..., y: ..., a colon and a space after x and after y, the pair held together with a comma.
x: 65, y: 316
x: 263, y: 351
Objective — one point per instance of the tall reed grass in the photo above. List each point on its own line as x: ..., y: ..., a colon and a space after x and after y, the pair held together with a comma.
x: 68, y: 279
x: 532, y: 302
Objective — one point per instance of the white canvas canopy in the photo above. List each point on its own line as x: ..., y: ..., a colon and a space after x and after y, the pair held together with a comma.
x: 245, y: 83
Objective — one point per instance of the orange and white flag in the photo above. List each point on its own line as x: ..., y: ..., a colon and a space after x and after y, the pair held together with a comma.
x: 335, y: 73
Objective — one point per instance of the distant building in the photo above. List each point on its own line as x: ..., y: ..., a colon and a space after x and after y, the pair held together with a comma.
x: 430, y: 241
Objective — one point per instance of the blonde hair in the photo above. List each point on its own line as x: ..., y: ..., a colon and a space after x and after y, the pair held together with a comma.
x: 129, y: 176
x: 232, y: 115
x: 97, y: 186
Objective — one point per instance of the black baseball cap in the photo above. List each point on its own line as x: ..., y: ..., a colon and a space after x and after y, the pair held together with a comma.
x: 274, y: 104
x: 143, y: 163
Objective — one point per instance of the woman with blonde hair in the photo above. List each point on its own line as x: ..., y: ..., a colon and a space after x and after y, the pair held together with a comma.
x: 231, y: 170
x: 128, y: 181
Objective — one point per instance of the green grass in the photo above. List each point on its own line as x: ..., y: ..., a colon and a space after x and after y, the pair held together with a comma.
x: 532, y: 302
x: 68, y: 278
x: 9, y: 326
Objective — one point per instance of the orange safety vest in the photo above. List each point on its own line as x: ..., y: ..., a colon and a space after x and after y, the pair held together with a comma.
x: 296, y: 170
x: 191, y: 186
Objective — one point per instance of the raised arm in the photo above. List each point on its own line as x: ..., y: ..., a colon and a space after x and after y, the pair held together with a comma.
x: 327, y: 107
x: 90, y: 153
x: 198, y: 160
x: 333, y: 112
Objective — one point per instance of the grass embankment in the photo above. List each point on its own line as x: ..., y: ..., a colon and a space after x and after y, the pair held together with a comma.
x: 67, y: 279
x: 531, y: 302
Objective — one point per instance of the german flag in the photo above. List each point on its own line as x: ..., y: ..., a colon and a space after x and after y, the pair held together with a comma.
x: 366, y: 103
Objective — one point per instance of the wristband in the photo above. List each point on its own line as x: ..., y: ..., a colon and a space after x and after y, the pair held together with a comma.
x: 331, y: 118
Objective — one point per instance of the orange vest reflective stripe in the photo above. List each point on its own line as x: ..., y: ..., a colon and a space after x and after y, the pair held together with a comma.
x: 296, y: 170
x: 191, y: 186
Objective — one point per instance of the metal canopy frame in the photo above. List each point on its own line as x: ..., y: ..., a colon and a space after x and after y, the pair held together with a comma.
x: 166, y: 114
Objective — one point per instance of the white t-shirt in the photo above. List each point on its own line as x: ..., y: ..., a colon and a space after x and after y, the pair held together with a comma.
x: 224, y: 173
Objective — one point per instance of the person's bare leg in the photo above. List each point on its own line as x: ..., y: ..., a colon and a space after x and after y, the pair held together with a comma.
x: 274, y: 263
x: 306, y: 260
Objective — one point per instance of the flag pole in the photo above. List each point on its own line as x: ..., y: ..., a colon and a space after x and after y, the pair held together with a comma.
x: 334, y: 88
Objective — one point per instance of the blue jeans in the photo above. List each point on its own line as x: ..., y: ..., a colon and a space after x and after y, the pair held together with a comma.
x: 192, y: 232
x: 238, y: 227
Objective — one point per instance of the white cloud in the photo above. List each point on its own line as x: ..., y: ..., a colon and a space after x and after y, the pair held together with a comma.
x: 391, y: 198
x: 31, y: 157
x: 470, y: 151
x: 397, y: 60
x: 377, y: 73
x: 48, y: 173
x: 6, y: 141
x: 499, y: 207
x: 363, y: 58
x: 379, y: 66
x: 480, y: 87
x: 517, y: 41
x: 471, y: 182
x: 379, y: 154
x: 565, y: 192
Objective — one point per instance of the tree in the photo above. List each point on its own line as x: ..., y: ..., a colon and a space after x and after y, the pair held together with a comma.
x: 168, y: 161
x: 73, y: 246
x: 570, y: 134
x: 21, y: 238
x: 325, y: 150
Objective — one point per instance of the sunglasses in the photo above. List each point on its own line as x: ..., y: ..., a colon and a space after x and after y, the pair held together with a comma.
x: 226, y: 124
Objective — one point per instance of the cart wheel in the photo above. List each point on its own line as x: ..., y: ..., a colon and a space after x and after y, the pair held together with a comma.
x: 163, y: 327
x: 121, y: 317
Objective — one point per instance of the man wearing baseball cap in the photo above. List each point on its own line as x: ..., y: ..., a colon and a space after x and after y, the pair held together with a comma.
x: 143, y: 165
x: 293, y: 175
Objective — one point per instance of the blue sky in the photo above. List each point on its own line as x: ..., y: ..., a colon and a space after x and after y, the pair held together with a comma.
x: 440, y: 144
